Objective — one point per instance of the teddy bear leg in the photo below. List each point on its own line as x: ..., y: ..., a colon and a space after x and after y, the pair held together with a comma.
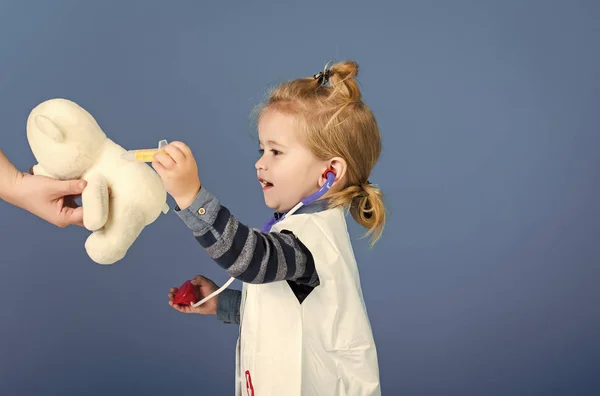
x: 95, y: 202
x: 110, y: 243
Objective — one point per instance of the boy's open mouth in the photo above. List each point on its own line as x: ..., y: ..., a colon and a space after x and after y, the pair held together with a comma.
x: 265, y: 184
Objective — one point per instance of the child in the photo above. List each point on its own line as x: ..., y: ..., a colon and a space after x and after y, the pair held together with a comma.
x: 304, y: 329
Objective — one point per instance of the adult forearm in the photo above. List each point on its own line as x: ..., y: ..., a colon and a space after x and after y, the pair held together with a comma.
x: 8, y: 178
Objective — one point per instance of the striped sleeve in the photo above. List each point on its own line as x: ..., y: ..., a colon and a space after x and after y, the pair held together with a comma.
x: 246, y: 253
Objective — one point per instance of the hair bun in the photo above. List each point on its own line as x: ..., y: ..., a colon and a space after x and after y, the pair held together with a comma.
x: 342, y: 79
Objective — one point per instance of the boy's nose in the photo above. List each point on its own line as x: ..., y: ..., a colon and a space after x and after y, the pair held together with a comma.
x: 260, y: 165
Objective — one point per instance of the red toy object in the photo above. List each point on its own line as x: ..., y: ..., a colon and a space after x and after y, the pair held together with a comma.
x: 186, y: 294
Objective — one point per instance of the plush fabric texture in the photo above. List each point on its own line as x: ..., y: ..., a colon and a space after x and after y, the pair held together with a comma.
x: 68, y: 143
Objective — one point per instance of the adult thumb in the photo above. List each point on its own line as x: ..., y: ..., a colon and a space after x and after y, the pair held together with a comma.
x: 73, y: 216
x: 70, y: 187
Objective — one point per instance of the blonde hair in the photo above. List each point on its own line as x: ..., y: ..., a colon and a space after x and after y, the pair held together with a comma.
x: 337, y: 123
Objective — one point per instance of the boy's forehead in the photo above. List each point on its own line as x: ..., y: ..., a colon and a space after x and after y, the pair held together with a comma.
x: 276, y: 128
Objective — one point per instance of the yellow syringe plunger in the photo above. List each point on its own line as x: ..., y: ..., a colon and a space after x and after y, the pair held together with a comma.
x: 143, y: 155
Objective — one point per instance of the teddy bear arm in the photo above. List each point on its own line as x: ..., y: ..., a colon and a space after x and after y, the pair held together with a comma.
x: 94, y: 201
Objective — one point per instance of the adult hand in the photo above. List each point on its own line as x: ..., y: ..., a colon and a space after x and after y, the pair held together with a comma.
x: 50, y: 199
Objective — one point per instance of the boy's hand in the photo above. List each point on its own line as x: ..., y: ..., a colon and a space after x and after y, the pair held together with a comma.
x: 179, y: 173
x: 206, y: 287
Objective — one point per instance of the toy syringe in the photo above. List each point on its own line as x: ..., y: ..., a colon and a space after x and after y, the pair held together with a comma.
x: 143, y: 155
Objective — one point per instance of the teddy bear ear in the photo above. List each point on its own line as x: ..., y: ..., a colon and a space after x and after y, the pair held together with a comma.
x: 49, y: 128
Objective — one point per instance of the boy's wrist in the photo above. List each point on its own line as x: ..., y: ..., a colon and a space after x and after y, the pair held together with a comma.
x: 201, y: 214
x: 185, y: 201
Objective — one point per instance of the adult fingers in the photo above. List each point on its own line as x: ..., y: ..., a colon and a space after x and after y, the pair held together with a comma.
x: 60, y: 188
x: 70, y: 216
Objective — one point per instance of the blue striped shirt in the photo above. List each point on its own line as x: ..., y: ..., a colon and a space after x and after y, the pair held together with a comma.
x: 248, y: 254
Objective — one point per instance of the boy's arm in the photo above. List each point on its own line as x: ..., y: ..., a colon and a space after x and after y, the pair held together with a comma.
x: 247, y: 254
x: 228, y: 306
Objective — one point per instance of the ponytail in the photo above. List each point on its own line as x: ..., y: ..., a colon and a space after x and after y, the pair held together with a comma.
x: 365, y: 203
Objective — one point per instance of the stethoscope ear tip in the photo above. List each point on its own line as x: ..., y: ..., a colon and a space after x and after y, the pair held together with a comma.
x: 327, y: 172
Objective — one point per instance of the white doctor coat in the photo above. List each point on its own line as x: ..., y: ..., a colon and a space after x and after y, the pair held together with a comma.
x: 323, y: 346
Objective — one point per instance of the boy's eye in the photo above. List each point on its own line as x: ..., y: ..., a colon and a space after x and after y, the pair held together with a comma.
x: 275, y: 152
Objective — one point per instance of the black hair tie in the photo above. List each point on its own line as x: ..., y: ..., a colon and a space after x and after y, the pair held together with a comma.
x: 323, y: 77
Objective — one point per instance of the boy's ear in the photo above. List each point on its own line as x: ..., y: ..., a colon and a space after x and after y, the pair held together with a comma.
x: 339, y: 166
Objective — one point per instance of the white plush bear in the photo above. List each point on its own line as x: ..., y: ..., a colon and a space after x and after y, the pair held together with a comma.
x: 68, y: 143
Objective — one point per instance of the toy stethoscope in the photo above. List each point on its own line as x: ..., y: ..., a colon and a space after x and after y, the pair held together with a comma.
x: 186, y: 293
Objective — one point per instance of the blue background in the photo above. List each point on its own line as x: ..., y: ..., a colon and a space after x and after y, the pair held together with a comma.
x: 485, y: 281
